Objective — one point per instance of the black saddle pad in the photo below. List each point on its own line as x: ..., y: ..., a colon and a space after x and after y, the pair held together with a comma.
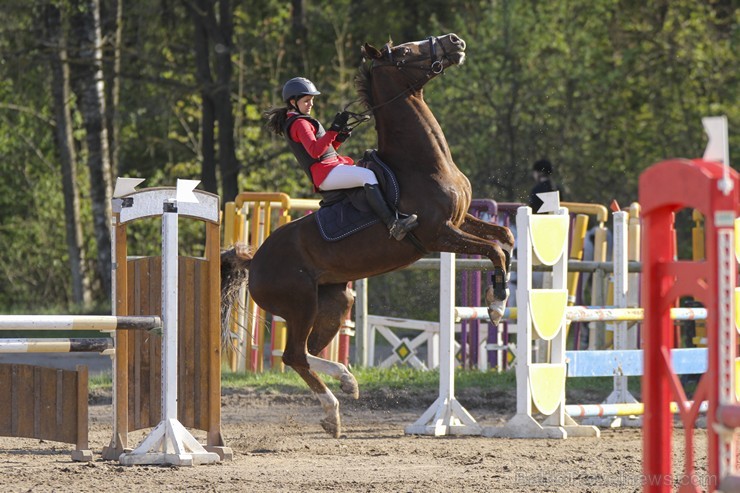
x: 347, y: 213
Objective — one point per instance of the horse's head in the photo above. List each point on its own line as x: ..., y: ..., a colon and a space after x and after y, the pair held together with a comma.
x: 429, y: 57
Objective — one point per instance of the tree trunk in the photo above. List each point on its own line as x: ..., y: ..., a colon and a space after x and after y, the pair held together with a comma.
x: 216, y: 34
x: 88, y: 85
x: 113, y: 32
x: 205, y: 82
x: 60, y: 92
x: 229, y: 165
x: 298, y: 53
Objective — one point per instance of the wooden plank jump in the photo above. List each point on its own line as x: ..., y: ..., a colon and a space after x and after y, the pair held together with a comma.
x: 45, y: 403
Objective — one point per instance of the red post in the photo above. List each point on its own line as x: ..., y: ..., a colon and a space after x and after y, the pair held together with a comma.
x: 665, y: 188
x: 657, y: 334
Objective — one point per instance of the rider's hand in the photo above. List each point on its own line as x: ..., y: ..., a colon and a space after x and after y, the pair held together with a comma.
x: 343, y: 135
x: 340, y: 121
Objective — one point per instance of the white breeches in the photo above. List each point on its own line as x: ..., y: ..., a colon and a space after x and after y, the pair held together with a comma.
x: 344, y: 176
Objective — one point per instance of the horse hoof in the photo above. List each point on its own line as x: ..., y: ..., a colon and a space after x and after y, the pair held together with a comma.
x: 348, y: 384
x: 496, y: 311
x: 332, y: 426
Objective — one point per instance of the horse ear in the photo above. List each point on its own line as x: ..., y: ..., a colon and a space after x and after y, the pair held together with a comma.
x: 370, y: 51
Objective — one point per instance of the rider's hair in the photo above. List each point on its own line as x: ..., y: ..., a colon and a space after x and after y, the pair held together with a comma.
x: 276, y: 118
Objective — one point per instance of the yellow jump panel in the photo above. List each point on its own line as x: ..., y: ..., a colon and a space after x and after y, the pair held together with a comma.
x: 549, y: 237
x: 547, y: 307
x: 547, y: 385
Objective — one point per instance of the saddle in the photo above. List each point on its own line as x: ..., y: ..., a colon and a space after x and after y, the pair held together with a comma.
x: 345, y: 212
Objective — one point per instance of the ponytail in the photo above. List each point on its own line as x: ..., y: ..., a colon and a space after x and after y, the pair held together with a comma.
x: 276, y: 118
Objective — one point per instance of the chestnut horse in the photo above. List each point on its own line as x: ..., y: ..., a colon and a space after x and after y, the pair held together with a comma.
x: 302, y: 278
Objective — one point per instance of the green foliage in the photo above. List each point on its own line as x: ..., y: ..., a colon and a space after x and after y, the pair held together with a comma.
x: 604, y: 88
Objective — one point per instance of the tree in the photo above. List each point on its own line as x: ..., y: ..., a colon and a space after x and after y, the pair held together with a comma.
x: 215, y: 34
x: 113, y: 34
x: 88, y: 84
x: 61, y: 96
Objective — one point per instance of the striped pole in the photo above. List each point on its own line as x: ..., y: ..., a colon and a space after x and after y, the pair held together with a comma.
x: 624, y: 409
x: 98, y: 345
x: 102, y: 323
x: 586, y: 313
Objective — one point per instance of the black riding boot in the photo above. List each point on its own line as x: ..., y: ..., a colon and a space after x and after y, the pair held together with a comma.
x: 397, y: 226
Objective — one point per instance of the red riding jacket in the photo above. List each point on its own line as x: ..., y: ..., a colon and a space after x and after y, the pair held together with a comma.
x: 303, y: 131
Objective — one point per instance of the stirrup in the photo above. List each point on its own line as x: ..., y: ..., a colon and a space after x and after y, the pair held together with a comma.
x: 400, y: 227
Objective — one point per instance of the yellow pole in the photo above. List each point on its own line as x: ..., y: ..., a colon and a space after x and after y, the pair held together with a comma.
x: 229, y: 217
x: 578, y: 238
x: 576, y: 253
x: 596, y: 336
x: 698, y: 253
x: 634, y: 232
x: 279, y: 337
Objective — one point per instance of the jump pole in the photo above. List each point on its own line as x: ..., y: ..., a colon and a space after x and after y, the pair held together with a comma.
x: 587, y: 313
x: 96, y: 345
x: 446, y: 416
x: 170, y: 442
x: 622, y: 409
x: 100, y: 323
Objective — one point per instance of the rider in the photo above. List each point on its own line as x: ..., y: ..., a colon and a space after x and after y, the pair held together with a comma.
x: 541, y: 171
x: 316, y: 152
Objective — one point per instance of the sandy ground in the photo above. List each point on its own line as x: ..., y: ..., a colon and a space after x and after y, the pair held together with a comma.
x: 279, y: 447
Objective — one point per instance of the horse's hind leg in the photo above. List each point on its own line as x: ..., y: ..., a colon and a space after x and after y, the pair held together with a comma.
x: 332, y: 422
x: 299, y: 316
x: 335, y: 300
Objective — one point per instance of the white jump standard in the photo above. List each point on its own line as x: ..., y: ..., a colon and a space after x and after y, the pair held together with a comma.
x: 170, y: 442
x: 446, y: 416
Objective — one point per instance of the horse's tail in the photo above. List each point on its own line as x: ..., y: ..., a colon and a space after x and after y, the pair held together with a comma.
x: 234, y: 275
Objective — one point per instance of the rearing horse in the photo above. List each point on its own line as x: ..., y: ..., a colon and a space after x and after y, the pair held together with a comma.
x: 302, y: 278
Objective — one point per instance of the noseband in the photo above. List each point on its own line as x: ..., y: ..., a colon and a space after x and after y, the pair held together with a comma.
x: 435, y: 63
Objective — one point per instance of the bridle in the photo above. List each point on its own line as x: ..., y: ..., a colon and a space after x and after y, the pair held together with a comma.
x: 434, y: 67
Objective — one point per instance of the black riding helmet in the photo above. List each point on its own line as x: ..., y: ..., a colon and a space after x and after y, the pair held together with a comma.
x: 543, y: 166
x: 298, y: 87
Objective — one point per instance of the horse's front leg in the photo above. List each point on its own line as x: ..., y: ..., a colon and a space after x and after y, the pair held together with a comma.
x: 457, y: 240
x: 490, y: 231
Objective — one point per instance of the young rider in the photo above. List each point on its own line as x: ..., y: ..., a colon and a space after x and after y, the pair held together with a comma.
x: 316, y: 151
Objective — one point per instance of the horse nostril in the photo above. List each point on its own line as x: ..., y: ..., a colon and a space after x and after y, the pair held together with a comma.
x: 454, y: 39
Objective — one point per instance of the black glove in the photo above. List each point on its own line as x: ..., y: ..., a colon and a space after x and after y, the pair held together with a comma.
x: 340, y: 121
x: 344, y: 134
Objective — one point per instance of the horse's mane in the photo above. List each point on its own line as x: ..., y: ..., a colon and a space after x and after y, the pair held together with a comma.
x: 363, y: 83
